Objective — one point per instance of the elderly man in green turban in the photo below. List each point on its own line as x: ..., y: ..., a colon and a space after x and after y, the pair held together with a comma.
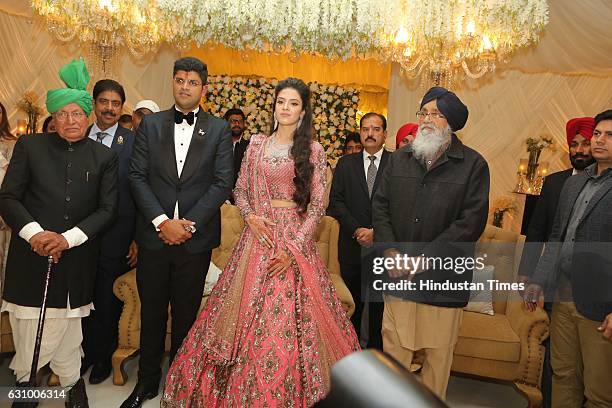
x: 59, y: 193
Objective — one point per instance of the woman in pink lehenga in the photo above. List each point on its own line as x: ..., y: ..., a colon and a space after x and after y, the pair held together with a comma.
x: 273, y: 325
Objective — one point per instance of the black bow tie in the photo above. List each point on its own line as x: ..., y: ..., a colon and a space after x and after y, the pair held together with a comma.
x: 180, y: 116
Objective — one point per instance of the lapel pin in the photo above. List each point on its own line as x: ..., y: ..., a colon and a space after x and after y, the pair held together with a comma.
x: 120, y: 140
x: 201, y: 132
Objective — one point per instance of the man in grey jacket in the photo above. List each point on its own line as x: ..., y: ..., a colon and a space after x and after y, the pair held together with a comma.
x: 577, y: 266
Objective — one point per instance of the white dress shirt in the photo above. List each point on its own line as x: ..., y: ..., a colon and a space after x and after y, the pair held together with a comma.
x: 182, y: 139
x: 108, y: 140
x: 366, y: 160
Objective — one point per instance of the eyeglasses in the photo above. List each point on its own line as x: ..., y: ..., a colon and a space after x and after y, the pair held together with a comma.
x: 76, y: 115
x: 191, y: 82
x: 114, y: 103
x: 433, y: 115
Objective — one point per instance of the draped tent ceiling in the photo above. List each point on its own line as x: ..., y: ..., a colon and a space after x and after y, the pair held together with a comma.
x: 568, y: 74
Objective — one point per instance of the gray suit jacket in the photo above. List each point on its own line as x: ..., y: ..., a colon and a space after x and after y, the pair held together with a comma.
x: 591, y: 268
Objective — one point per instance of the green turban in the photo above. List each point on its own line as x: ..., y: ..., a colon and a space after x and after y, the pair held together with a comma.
x: 76, y: 78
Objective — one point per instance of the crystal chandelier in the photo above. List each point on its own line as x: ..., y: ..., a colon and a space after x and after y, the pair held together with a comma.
x: 107, y: 26
x: 442, y: 41
x: 447, y: 41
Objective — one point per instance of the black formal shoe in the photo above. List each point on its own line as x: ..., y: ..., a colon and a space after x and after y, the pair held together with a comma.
x: 77, y: 396
x: 100, y: 372
x: 141, y: 393
x: 23, y: 404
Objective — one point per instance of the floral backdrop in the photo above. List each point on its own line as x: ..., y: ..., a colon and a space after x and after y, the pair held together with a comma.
x: 334, y: 107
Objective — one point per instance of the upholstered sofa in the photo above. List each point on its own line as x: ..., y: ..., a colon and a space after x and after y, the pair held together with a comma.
x: 231, y: 226
x: 508, y: 345
x: 6, y: 334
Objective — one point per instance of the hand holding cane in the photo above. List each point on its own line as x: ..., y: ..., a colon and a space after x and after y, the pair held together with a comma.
x: 41, y: 325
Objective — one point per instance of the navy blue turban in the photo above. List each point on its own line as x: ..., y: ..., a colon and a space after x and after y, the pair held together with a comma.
x: 449, y: 105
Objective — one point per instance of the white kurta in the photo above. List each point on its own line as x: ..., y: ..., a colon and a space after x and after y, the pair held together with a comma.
x: 62, y: 335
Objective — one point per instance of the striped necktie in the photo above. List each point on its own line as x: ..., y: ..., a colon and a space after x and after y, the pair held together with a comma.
x: 371, y: 176
x: 101, y: 135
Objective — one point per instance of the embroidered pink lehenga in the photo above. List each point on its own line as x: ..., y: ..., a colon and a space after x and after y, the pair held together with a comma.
x: 265, y: 341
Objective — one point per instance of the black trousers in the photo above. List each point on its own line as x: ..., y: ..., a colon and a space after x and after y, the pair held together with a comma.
x: 170, y: 276
x: 101, y: 327
x: 357, y: 284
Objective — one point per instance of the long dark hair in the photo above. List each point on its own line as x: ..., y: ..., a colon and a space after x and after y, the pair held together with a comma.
x: 302, y: 139
x: 5, y: 128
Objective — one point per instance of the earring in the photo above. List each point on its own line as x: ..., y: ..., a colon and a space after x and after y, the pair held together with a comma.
x: 275, y: 124
x: 300, y: 122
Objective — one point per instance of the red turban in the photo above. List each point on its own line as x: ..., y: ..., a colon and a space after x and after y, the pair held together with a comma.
x: 405, y: 130
x: 582, y: 126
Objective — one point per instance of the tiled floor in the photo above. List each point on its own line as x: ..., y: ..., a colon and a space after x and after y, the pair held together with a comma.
x: 462, y: 392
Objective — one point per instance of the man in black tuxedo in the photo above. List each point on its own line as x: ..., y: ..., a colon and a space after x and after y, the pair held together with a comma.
x: 100, y: 329
x: 355, y: 180
x: 237, y: 121
x: 575, y: 271
x: 58, y: 196
x: 181, y: 173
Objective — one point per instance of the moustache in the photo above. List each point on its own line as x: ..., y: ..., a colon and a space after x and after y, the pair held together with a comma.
x: 580, y: 156
x: 108, y: 113
x: 370, y: 138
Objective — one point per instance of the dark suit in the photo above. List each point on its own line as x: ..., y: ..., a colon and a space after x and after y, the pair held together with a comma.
x: 176, y: 274
x: 591, y: 269
x: 540, y: 226
x: 100, y: 329
x: 542, y: 220
x: 351, y: 205
x: 590, y: 279
x: 60, y: 185
x: 239, y: 150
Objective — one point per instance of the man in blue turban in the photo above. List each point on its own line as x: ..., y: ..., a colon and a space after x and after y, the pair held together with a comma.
x: 433, y: 194
x: 59, y: 193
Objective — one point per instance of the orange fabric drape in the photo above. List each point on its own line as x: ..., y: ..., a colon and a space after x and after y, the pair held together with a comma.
x: 369, y: 76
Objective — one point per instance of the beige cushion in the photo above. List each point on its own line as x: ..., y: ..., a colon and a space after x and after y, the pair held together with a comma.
x: 488, y: 337
x: 6, y: 334
x: 481, y: 301
x: 500, y: 247
x: 231, y: 227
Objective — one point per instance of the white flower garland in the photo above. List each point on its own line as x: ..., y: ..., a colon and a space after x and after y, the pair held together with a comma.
x: 336, y: 29
x: 345, y: 28
x: 334, y: 107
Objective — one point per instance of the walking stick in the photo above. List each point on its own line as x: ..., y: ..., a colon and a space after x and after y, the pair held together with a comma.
x: 41, y: 326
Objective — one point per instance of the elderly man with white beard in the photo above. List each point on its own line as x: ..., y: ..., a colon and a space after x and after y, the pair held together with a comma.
x: 432, y: 194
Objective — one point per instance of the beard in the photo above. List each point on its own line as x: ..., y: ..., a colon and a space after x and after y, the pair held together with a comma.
x: 237, y: 132
x: 429, y: 141
x: 580, y: 161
